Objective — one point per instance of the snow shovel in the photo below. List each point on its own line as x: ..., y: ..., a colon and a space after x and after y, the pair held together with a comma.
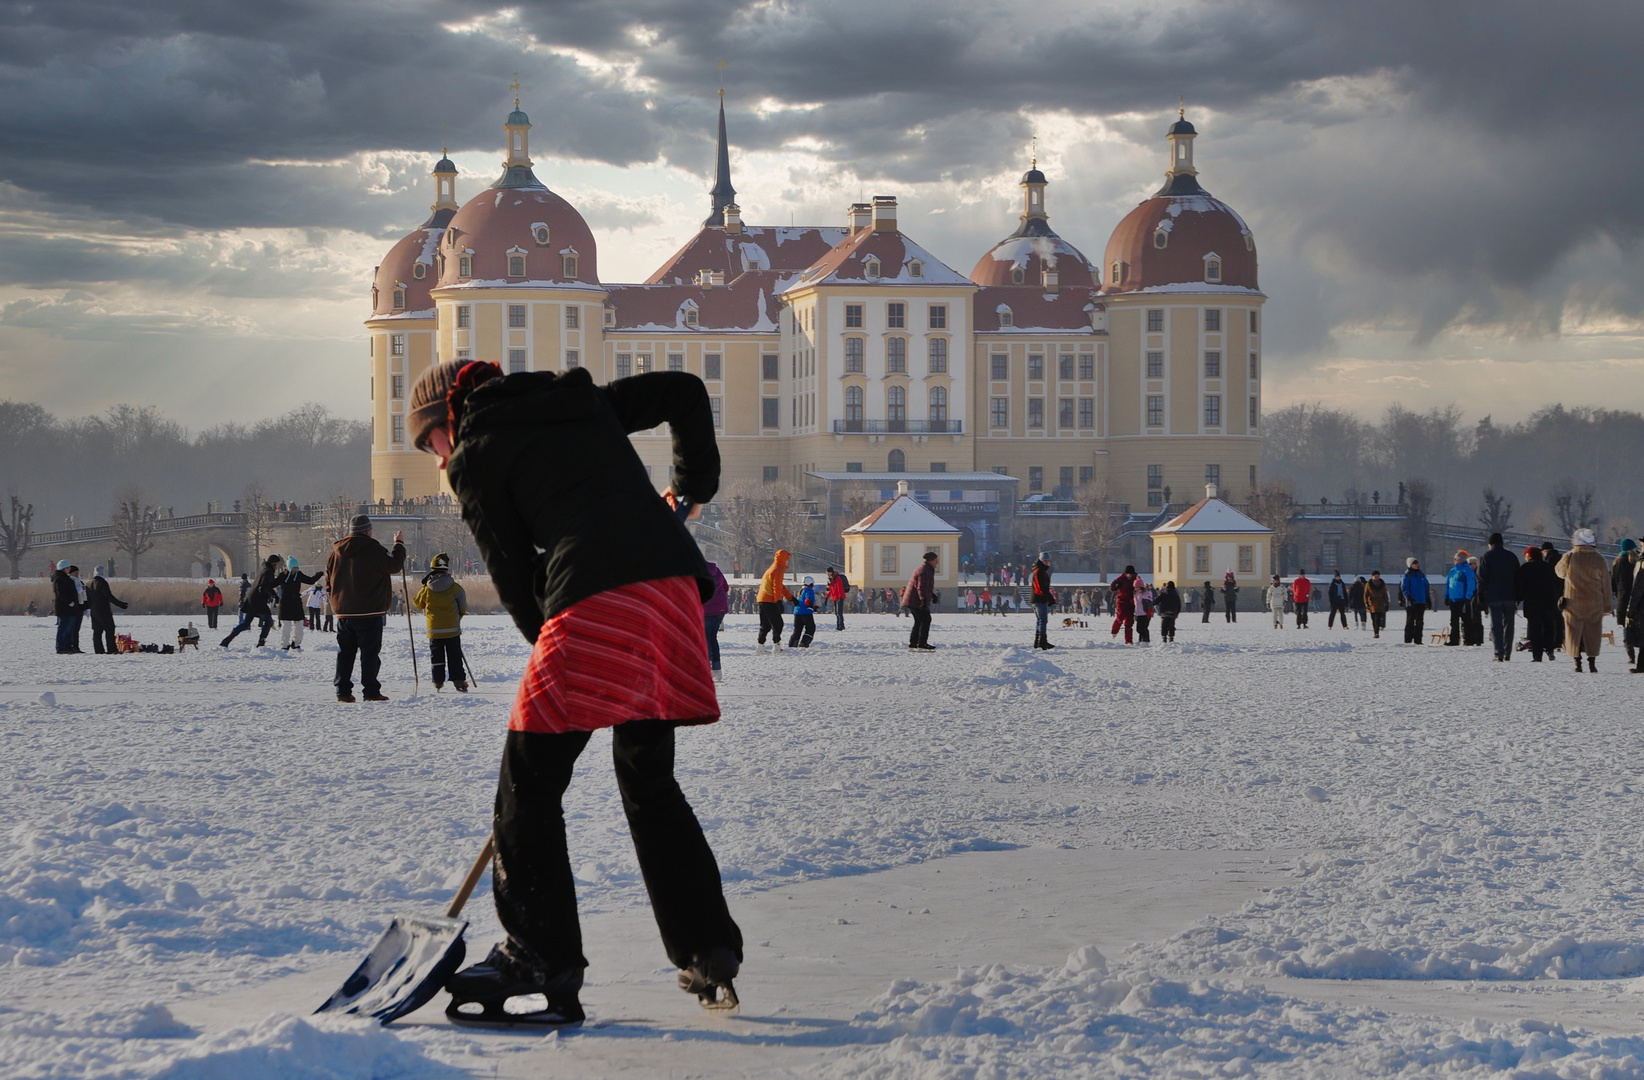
x: 412, y: 961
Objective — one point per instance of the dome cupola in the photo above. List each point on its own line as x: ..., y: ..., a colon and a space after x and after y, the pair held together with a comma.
x: 402, y: 281
x: 1033, y: 251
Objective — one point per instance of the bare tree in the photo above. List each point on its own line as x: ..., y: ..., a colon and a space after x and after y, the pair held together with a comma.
x: 259, y: 521
x: 17, y: 533
x: 739, y: 522
x: 1619, y: 529
x: 755, y: 519
x: 1099, y: 522
x: 1497, y: 512
x: 1273, y: 505
x: 1418, y: 508
x: 1573, y: 505
x: 133, y: 523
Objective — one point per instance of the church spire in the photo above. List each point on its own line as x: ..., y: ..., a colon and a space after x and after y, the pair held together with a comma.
x: 723, y: 193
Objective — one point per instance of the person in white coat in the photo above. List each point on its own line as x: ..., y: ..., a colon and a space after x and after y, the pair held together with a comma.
x: 1276, y: 594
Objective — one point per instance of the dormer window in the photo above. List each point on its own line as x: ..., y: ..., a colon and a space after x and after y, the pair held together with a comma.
x: 1212, y: 269
x: 419, y: 271
x: 516, y: 266
x: 570, y: 264
x: 1160, y: 239
x: 1006, y: 318
x: 1117, y: 277
x: 690, y: 316
x: 1017, y: 276
x: 541, y: 234
x: 465, y: 266
x: 871, y: 268
x: 399, y: 299
x: 610, y: 317
x: 1249, y: 242
x: 916, y: 269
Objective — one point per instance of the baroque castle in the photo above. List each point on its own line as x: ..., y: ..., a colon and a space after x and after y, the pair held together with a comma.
x: 851, y: 349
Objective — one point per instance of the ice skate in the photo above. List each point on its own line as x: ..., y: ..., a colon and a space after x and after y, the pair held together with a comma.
x: 710, y: 981
x: 762, y: 648
x: 480, y: 994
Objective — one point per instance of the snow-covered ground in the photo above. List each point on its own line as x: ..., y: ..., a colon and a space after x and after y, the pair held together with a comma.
x: 1287, y: 853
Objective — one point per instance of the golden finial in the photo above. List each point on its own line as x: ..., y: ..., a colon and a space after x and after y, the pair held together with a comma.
x: 514, y: 86
x: 1035, y: 153
x: 723, y: 64
x: 1181, y: 107
x: 444, y: 151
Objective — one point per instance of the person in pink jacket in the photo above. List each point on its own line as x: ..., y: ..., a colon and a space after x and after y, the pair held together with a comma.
x: 714, y: 610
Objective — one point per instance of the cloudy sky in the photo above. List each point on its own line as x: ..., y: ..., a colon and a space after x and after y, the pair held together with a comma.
x: 1446, y: 197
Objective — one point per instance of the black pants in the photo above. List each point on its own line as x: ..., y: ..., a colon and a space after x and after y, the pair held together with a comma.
x: 535, y: 894
x: 1167, y: 628
x: 1142, y: 623
x: 804, y: 628
x: 1413, y: 614
x: 839, y: 614
x: 1301, y: 614
x: 447, y: 653
x: 770, y: 620
x: 921, y: 626
x: 1546, y: 630
x: 1501, y: 629
x: 1458, y: 621
x: 211, y: 617
x: 101, y: 636
x: 246, y: 618
x: 1378, y: 622
x: 1337, y: 609
x: 1206, y: 616
x: 363, y: 636
x: 1230, y: 611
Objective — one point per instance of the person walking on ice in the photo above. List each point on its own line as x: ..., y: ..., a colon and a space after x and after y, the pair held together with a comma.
x: 292, y: 610
x: 772, y: 591
x: 604, y: 580
x: 1586, y: 597
x: 1043, y: 599
x: 212, y: 601
x: 1275, y: 594
x: 359, y: 577
x: 443, y: 603
x: 1338, y: 596
x: 1230, y: 597
x: 804, y: 616
x: 1301, y: 597
x: 1413, y: 594
x: 917, y: 597
x: 255, y: 604
x: 1376, y: 602
x: 103, y: 602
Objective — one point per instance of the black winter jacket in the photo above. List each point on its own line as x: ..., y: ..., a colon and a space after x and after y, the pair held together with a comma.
x: 257, y: 601
x: 1498, y: 576
x: 1168, y: 603
x: 1539, y: 586
x: 102, y: 601
x: 1621, y: 584
x: 65, y: 598
x: 557, y: 498
x: 291, y: 585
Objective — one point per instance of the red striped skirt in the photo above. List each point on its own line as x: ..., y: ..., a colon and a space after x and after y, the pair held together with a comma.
x: 636, y: 652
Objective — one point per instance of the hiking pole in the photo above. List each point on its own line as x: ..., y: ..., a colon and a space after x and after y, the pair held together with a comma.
x: 405, y: 590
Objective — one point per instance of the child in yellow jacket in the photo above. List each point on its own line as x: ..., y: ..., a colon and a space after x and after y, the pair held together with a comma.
x: 445, y: 603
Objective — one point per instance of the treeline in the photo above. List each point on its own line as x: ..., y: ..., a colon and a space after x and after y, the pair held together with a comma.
x: 1560, y: 467
x: 80, y: 467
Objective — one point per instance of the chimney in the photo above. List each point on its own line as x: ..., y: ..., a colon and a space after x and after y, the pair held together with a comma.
x: 858, y: 217
x: 733, y: 218
x: 716, y: 277
x: 901, y: 488
x: 884, y: 213
x: 1210, y: 491
x: 1050, y: 281
x: 704, y: 278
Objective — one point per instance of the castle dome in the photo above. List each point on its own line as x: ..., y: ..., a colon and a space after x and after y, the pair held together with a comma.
x: 1023, y: 257
x: 517, y: 224
x: 1182, y: 236
x: 402, y: 282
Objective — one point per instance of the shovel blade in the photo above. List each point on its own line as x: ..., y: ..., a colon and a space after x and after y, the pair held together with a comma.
x: 405, y: 969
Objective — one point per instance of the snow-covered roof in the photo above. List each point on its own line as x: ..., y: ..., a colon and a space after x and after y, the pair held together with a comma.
x: 903, y: 514
x: 895, y: 253
x: 1212, y: 516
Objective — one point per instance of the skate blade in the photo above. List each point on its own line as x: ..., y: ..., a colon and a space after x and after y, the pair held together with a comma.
x: 496, y: 1018
x: 725, y: 999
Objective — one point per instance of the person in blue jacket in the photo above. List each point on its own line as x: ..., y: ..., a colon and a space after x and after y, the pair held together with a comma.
x: 804, y: 616
x: 1460, y: 590
x: 1413, y: 595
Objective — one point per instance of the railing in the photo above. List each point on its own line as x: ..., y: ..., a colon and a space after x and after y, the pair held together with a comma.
x: 898, y: 427
x: 161, y: 525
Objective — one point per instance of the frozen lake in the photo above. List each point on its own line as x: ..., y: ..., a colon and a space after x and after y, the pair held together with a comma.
x: 1254, y: 852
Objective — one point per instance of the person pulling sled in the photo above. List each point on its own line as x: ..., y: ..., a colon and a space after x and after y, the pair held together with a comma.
x: 606, y: 582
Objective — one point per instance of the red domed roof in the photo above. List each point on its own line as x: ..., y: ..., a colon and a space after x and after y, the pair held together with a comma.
x: 505, y: 220
x: 1033, y: 251
x: 1193, y: 225
x: 399, y: 269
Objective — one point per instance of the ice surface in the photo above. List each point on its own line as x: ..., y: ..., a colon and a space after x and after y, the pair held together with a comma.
x: 180, y: 828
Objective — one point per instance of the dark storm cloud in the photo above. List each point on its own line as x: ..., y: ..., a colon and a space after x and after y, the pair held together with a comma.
x: 1503, y: 139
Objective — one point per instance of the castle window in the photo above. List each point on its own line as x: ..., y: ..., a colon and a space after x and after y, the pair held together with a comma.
x: 642, y: 363
x: 396, y: 386
x: 1036, y: 478
x: 419, y: 271
x: 1064, y: 412
x: 572, y: 359
x: 938, y: 408
x: 1087, y: 366
x: 1016, y: 276
x: 690, y: 316
x: 1212, y: 319
x: 516, y: 266
x: 1249, y: 242
x: 610, y: 316
x: 871, y: 268
x: 465, y: 316
x: 770, y: 416
x: 853, y: 408
x: 1064, y: 367
x: 710, y: 366
x: 896, y: 411
x: 1161, y: 238
x: 769, y: 367
x: 718, y: 409
x: 465, y: 266
x: 1212, y: 269
x: 516, y: 315
x: 1155, y: 365
x: 1255, y: 411
x: 1253, y: 369
x: 396, y: 345
x: 853, y: 355
x: 896, y: 316
x: 1087, y: 412
x: 999, y: 412
x: 1212, y: 365
x: 938, y: 355
x: 916, y: 269
x: 896, y: 355
x: 676, y: 361
x: 896, y: 461
x: 1155, y: 410
x: 398, y: 429
x: 399, y: 299
x: 516, y: 361
x: 541, y: 233
x: 1036, y: 368
x: 938, y: 317
x: 1213, y: 410
x: 1155, y: 320
x: 1117, y: 276
x: 624, y: 365
x: 1006, y: 318
x: 853, y: 316
x: 573, y: 318
x: 570, y: 266
x: 1001, y: 366
x: 1252, y: 322
x: 1036, y: 412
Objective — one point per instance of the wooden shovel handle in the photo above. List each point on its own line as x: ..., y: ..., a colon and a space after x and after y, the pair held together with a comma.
x: 472, y: 879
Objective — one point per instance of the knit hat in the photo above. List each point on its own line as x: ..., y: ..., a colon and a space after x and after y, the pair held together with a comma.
x: 62, y: 564
x: 210, y: 581
x: 1584, y: 537
x: 809, y: 580
x: 271, y: 560
x: 437, y: 398
x: 1532, y: 553
x: 1410, y: 562
x: 361, y: 526
x: 442, y: 561
x: 97, y: 572
x: 1628, y: 544
x: 291, y: 563
x: 1044, y: 556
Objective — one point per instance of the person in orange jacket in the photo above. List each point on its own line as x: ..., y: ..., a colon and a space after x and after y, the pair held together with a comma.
x: 212, y: 601
x: 772, y: 592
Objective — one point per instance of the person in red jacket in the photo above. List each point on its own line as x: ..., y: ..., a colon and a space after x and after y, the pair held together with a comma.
x: 1301, y: 590
x: 212, y: 601
x: 838, y: 590
x: 1124, y: 602
x: 919, y: 595
x: 1043, y: 598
